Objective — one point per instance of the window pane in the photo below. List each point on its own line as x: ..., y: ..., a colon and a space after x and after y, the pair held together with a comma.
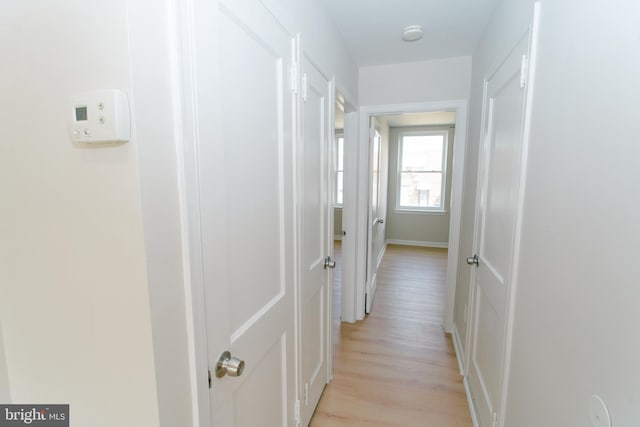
x: 421, y: 190
x: 339, y: 191
x: 422, y: 152
x: 340, y: 154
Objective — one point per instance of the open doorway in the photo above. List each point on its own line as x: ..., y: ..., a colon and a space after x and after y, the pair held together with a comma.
x: 410, y: 175
x: 411, y: 170
x: 435, y: 120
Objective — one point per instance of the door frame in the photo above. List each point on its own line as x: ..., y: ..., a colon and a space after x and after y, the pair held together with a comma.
x: 349, y: 210
x: 460, y: 107
x: 187, y: 152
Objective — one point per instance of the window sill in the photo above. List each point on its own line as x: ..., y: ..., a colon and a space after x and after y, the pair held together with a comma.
x: 419, y: 211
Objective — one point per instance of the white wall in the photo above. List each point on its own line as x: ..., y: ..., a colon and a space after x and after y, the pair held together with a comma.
x: 577, y: 317
x: 74, y: 302
x: 320, y: 39
x: 439, y: 80
x: 414, y: 226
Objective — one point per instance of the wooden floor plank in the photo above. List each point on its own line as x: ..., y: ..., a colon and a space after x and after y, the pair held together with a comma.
x: 397, y: 367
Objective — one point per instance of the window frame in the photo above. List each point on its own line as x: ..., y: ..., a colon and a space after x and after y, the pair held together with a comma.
x: 442, y: 209
x: 337, y: 169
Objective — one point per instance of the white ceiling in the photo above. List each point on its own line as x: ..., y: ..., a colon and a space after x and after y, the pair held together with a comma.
x: 372, y: 29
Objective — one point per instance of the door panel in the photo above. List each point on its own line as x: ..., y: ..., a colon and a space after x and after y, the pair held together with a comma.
x: 377, y: 212
x: 244, y: 123
x: 254, y: 171
x: 314, y: 234
x: 252, y: 405
x: 497, y: 209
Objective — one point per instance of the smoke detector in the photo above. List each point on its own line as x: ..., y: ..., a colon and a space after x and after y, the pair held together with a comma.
x: 412, y: 33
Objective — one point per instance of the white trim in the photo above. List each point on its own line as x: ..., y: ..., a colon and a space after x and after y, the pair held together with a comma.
x: 457, y: 183
x: 350, y: 311
x: 335, y: 154
x: 187, y: 147
x: 457, y: 346
x: 472, y: 406
x: 331, y: 187
x: 297, y: 61
x: 418, y: 243
x: 526, y: 136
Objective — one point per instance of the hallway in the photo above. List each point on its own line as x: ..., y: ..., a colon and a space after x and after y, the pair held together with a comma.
x: 397, y: 367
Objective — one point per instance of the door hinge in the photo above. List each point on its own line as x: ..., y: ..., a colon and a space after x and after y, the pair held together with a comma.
x: 304, y: 87
x: 296, y: 414
x: 494, y: 419
x: 209, y: 378
x: 294, y: 78
x: 524, y: 69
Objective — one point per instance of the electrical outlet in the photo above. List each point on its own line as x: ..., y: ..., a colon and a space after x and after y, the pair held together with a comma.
x: 598, y: 412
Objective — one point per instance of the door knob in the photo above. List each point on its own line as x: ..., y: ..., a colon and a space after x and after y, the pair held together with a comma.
x: 228, y: 365
x: 473, y: 260
x: 329, y: 263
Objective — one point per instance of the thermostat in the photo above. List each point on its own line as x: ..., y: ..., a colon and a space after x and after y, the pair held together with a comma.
x: 100, y: 116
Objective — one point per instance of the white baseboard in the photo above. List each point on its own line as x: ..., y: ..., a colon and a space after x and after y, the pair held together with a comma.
x: 457, y: 345
x: 418, y: 243
x: 337, y: 237
x: 472, y: 407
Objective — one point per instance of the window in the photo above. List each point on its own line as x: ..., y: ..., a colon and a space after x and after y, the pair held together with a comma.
x: 339, y: 170
x: 422, y: 160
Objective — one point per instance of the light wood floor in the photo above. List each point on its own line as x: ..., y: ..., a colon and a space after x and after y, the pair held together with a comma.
x: 398, y: 367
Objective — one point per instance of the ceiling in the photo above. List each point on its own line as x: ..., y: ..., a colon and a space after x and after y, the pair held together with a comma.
x: 372, y: 29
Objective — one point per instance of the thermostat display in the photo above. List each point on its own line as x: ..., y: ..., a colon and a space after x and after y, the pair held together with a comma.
x: 81, y: 114
x: 100, y: 117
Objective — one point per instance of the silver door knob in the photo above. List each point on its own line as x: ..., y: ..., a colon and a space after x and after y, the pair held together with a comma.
x: 329, y: 263
x: 228, y: 365
x: 473, y: 260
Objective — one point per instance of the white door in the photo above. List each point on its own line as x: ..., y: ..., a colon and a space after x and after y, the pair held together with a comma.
x: 244, y: 125
x: 500, y: 165
x: 377, y: 212
x: 315, y: 292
